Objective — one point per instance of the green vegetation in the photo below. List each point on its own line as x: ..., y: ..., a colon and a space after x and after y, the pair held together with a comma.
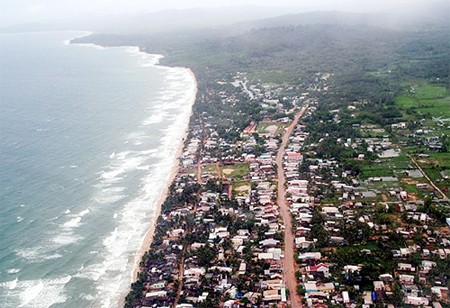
x: 442, y: 160
x: 426, y: 100
x: 278, y: 77
x: 237, y: 171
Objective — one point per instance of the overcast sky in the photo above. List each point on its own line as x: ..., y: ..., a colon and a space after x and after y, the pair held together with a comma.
x: 21, y: 11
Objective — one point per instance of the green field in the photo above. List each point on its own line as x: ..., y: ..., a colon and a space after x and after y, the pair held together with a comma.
x: 237, y: 171
x: 427, y: 99
x: 376, y: 171
x: 273, y: 77
x: 386, y: 167
x: 440, y: 159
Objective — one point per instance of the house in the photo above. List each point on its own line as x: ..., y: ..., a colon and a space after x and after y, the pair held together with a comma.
x: 265, y: 255
x: 158, y: 285
x: 310, y: 256
x: 274, y: 284
x: 416, y: 301
x: 320, y: 268
x: 441, y: 292
x: 155, y: 294
x: 406, y: 267
x: 294, y: 157
x: 386, y: 277
x: 229, y: 304
x: 203, y: 297
x: 301, y: 242
x: 378, y: 286
x: 345, y: 297
x: 194, y: 272
x: 325, y: 287
x: 242, y: 268
x: 404, y: 252
x: 269, y: 243
x: 367, y: 296
x: 406, y: 279
x: 330, y: 210
x: 271, y: 295
x: 352, y: 268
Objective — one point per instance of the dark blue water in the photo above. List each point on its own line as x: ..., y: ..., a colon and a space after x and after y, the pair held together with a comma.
x: 88, y: 138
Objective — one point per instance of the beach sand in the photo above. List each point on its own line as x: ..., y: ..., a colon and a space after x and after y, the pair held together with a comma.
x: 149, y: 235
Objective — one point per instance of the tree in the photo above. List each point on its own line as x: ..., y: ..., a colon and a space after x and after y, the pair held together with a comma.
x: 205, y: 255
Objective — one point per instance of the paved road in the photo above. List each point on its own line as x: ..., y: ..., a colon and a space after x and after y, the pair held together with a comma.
x: 288, y: 262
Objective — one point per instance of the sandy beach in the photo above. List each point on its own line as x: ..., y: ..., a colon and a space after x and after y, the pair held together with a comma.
x: 176, y: 167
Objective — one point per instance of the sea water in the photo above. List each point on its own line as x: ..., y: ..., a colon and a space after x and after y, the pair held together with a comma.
x: 88, y: 139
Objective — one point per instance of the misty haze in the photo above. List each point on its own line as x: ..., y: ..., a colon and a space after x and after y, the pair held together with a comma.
x: 232, y: 154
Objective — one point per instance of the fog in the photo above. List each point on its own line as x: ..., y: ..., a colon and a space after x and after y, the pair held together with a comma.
x: 102, y: 14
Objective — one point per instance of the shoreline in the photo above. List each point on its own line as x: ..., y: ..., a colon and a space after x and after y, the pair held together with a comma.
x: 148, y: 238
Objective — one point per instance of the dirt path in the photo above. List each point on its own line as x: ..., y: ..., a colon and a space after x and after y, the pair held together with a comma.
x: 219, y: 173
x: 288, y: 262
x: 444, y: 196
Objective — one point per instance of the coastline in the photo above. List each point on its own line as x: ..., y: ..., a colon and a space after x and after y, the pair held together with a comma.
x: 148, y: 238
x: 152, y: 60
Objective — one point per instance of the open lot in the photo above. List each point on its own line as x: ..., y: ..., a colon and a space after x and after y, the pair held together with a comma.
x: 237, y: 172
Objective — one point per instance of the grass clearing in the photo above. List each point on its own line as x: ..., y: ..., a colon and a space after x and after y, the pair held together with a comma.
x: 427, y: 99
x: 428, y: 91
x: 237, y: 171
x: 271, y: 127
x: 442, y: 159
x: 191, y: 171
x: 241, y: 188
x: 210, y: 169
x: 273, y: 77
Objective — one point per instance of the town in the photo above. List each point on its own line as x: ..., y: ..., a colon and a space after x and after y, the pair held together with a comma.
x: 302, y: 207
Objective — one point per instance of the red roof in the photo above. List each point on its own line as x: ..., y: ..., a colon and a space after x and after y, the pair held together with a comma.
x: 318, y: 267
x: 294, y: 154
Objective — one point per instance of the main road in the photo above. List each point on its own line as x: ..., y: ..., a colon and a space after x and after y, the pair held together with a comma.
x: 288, y: 262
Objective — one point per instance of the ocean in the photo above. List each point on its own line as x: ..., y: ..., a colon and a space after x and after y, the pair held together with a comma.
x: 88, y: 139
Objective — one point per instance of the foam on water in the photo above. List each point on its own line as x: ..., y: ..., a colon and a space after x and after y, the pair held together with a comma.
x: 37, y: 254
x: 38, y: 293
x: 65, y: 239
x: 13, y: 270
x: 11, y: 285
x: 123, y: 200
x: 157, y: 117
x: 113, y: 275
x: 145, y: 59
x: 75, y: 221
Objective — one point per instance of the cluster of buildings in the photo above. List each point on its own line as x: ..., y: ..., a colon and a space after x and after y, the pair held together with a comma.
x: 219, y: 239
